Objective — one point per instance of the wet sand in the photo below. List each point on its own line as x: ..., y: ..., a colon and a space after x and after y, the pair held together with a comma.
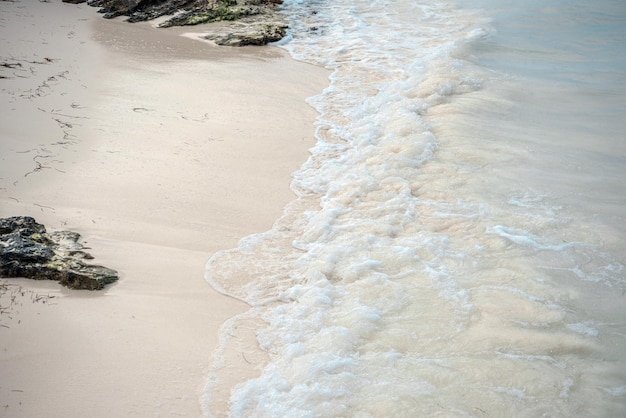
x: 159, y: 150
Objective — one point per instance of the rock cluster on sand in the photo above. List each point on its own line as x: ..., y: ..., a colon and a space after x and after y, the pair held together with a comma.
x: 27, y: 250
x: 258, y: 21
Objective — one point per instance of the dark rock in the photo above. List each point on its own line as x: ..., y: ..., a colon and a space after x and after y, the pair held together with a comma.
x: 261, y: 15
x: 252, y: 34
x: 27, y: 250
x: 210, y: 15
x: 114, y: 8
x: 74, y: 1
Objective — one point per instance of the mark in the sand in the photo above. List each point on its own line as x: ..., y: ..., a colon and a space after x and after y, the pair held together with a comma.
x: 57, y: 112
x: 142, y: 109
x: 45, y: 87
x: 13, y: 296
x: 37, y: 168
x: 38, y: 165
x: 68, y: 138
x: 10, y: 64
x: 203, y: 119
x: 43, y: 207
x: 63, y: 124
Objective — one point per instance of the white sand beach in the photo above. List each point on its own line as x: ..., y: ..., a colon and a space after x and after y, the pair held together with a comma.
x: 159, y: 150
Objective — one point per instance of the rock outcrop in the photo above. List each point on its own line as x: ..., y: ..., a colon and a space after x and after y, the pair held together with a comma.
x: 259, y: 20
x: 27, y: 250
x: 142, y: 10
x: 242, y: 34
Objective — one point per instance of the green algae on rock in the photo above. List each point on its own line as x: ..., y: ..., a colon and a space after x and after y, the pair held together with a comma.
x: 27, y: 250
x: 260, y: 21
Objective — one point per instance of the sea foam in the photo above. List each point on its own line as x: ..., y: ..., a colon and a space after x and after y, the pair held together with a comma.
x: 439, y: 258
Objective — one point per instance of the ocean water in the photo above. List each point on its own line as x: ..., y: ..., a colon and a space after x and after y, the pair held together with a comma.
x: 458, y: 240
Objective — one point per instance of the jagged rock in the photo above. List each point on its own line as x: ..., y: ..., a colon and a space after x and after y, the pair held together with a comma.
x: 27, y: 250
x: 248, y: 34
x: 141, y: 10
x: 257, y: 15
x: 209, y: 15
x: 153, y: 11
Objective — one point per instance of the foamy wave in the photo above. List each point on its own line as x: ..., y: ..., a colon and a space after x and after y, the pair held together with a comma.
x: 417, y: 272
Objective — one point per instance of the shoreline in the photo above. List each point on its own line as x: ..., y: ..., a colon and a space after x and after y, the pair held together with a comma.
x: 159, y: 150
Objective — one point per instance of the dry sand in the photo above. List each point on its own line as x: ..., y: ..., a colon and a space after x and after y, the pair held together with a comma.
x: 159, y: 150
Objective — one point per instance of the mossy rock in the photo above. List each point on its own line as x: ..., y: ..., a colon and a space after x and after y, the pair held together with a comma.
x: 28, y: 251
x: 219, y: 14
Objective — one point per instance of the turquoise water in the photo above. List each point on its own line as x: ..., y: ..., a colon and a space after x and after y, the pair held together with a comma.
x: 458, y: 241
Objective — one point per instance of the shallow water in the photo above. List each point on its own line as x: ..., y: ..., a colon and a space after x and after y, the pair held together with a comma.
x: 457, y: 247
